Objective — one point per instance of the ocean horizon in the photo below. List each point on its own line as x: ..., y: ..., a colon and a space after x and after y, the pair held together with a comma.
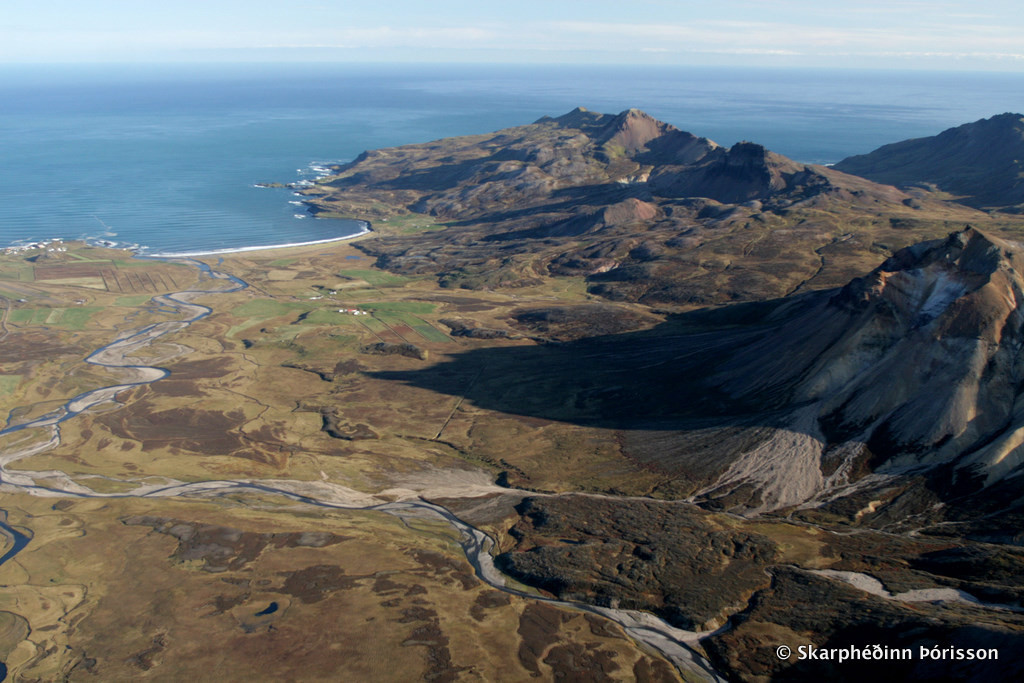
x: 168, y: 158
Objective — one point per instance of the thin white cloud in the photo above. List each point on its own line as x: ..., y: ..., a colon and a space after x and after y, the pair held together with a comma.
x: 738, y: 37
x: 796, y: 30
x: 957, y: 55
x: 413, y: 36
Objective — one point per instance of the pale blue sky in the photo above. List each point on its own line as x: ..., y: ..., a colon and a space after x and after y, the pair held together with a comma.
x: 983, y: 34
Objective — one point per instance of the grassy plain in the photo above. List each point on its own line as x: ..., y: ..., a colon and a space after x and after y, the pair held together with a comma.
x: 253, y: 384
x: 8, y: 384
x: 122, y: 588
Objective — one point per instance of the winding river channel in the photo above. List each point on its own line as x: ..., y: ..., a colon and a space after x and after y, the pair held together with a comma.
x: 43, y: 433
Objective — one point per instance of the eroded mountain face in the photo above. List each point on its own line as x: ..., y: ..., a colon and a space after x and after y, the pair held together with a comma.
x: 913, y: 367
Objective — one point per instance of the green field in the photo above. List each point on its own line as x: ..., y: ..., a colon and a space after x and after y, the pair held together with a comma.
x: 400, y: 317
x: 373, y: 324
x: 29, y: 316
x: 376, y: 278
x: 142, y: 263
x: 76, y: 318
x: 67, y: 318
x: 9, y: 384
x: 422, y: 327
x: 22, y: 272
x: 260, y: 310
x: 79, y: 257
x: 266, y: 308
x: 132, y: 300
x: 431, y: 333
x: 394, y: 307
x: 328, y: 316
x: 397, y: 319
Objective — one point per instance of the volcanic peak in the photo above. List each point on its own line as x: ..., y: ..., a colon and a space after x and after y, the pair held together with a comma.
x: 634, y: 134
x: 630, y: 132
x: 976, y: 277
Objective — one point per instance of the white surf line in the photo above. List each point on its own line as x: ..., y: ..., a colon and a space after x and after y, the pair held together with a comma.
x: 238, y: 250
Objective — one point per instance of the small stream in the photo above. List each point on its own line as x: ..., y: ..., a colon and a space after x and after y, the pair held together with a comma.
x: 672, y: 643
x: 113, y: 355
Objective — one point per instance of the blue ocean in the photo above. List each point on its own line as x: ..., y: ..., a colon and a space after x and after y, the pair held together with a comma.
x: 168, y: 157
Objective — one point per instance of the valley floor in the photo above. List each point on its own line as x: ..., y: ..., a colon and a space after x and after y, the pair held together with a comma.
x: 312, y: 490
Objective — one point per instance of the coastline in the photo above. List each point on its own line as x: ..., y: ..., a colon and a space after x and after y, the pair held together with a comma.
x: 135, y: 250
x: 366, y: 229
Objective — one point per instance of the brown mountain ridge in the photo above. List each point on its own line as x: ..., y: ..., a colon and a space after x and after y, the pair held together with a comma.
x: 644, y: 211
x: 982, y: 163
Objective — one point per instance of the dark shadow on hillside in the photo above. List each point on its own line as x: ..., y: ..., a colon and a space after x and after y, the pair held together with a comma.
x: 654, y: 379
x: 661, y: 390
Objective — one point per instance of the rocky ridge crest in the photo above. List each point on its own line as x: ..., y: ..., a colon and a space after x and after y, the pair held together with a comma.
x: 645, y: 211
